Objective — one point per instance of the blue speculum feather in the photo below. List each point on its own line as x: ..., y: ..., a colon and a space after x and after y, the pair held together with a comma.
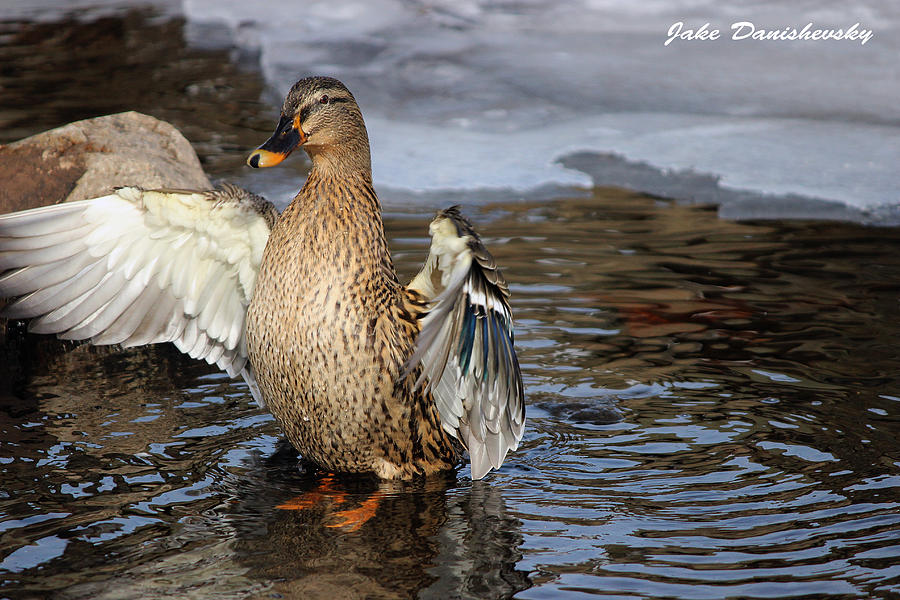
x: 485, y: 345
x: 467, y: 337
x: 495, y: 326
x: 506, y: 326
x: 499, y: 346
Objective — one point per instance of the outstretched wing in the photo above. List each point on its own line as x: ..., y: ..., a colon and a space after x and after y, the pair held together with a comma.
x: 140, y: 267
x: 465, y: 346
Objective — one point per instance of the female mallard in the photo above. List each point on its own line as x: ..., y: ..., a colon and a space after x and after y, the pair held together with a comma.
x: 362, y: 374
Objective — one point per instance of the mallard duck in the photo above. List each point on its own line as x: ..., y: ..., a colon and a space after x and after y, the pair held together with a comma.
x: 363, y: 374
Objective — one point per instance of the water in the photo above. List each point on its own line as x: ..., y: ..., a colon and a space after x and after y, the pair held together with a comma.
x: 713, y: 405
x: 753, y: 367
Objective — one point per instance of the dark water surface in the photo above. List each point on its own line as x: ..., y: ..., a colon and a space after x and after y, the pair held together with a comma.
x: 754, y: 367
x: 713, y: 413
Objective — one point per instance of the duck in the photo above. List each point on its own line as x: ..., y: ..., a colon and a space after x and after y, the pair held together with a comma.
x: 362, y: 373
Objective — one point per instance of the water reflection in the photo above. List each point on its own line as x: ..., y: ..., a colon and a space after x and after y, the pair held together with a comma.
x: 424, y: 539
x: 91, y: 442
x: 57, y: 72
x: 117, y: 463
x: 752, y: 363
x: 712, y: 411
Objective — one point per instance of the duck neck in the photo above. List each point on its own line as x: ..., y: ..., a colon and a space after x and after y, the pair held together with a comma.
x: 339, y: 221
x: 347, y: 160
x: 338, y: 208
x: 340, y: 192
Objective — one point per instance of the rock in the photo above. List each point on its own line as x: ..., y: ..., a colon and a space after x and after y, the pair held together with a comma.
x: 86, y: 159
x: 89, y: 158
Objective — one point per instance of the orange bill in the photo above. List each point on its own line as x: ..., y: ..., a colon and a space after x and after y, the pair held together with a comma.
x: 288, y: 135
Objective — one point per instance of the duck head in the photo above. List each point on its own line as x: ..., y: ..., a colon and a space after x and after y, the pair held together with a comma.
x: 320, y: 114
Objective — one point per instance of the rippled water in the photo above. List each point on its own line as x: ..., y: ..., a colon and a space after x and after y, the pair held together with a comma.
x: 713, y: 414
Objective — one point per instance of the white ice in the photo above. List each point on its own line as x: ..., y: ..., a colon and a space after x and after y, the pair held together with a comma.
x: 472, y: 95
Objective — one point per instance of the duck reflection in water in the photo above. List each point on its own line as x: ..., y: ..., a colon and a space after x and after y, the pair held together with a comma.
x: 432, y: 538
x: 137, y: 433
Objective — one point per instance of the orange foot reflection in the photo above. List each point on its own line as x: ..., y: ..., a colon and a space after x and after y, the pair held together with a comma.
x: 324, y: 491
x: 351, y: 519
x: 354, y: 518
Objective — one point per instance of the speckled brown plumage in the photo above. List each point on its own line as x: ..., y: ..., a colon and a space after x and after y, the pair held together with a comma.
x: 330, y: 327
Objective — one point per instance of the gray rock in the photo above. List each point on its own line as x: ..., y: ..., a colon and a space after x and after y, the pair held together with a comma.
x: 89, y: 158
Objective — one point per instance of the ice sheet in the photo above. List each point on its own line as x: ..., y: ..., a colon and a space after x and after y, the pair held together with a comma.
x: 471, y: 95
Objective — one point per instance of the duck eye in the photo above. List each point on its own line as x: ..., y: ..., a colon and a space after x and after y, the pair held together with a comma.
x: 323, y: 99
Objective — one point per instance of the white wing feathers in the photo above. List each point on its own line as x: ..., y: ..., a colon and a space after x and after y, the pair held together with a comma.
x: 140, y: 267
x: 465, y: 347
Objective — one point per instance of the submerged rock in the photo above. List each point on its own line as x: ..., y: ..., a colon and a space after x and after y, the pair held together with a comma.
x: 89, y: 158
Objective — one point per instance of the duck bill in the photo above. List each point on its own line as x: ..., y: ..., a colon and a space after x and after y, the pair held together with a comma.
x: 288, y: 135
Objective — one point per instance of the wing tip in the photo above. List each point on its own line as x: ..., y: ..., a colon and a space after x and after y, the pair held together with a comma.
x: 463, y: 224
